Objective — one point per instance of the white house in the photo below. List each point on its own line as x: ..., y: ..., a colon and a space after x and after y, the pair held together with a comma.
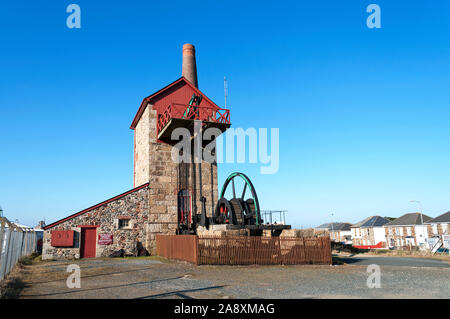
x: 339, y: 232
x: 369, y: 233
x: 439, y: 232
x: 407, y: 231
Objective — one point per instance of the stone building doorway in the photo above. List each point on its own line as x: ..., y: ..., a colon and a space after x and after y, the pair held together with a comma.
x: 88, y: 242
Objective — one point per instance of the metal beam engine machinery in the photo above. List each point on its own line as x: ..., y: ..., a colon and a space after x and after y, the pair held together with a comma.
x: 240, y: 211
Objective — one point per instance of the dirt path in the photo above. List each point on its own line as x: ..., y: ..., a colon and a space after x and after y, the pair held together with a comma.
x: 147, y: 278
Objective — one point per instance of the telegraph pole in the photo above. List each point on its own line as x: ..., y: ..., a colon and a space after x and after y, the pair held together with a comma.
x: 421, y: 216
x: 332, y: 230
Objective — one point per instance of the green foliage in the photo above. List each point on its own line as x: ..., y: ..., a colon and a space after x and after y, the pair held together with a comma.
x: 28, y: 260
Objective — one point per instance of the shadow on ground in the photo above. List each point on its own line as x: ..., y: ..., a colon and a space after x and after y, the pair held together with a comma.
x: 100, y: 288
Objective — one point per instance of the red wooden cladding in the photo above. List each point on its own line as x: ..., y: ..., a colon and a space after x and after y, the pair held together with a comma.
x: 180, y: 93
x: 62, y: 238
x: 168, y: 100
x: 243, y: 250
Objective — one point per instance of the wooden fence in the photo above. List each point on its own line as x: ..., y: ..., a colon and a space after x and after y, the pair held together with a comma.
x: 243, y: 250
x: 180, y: 247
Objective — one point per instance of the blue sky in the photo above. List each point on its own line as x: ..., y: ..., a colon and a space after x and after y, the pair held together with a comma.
x: 363, y: 113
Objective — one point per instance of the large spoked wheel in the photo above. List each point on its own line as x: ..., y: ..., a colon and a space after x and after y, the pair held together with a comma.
x: 224, y: 212
x: 238, y: 210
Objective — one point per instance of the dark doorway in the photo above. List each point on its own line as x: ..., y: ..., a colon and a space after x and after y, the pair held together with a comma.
x: 184, y: 208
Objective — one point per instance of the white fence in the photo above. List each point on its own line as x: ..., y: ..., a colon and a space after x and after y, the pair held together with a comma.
x: 15, y: 242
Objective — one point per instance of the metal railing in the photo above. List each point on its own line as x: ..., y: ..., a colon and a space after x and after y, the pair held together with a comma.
x: 274, y: 216
x: 192, y: 112
x: 253, y: 250
x: 15, y: 242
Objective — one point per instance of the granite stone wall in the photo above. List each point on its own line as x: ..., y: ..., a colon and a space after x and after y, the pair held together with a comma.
x: 133, y: 206
x: 152, y: 210
x: 141, y: 149
x: 166, y: 178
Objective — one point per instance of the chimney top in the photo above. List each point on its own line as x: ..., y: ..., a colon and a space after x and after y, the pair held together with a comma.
x: 189, y: 68
x: 188, y: 49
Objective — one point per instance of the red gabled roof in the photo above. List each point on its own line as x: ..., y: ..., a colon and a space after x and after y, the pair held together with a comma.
x: 96, y: 206
x: 157, y: 93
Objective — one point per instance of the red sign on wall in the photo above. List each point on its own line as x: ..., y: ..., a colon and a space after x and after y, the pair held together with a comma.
x: 105, y: 239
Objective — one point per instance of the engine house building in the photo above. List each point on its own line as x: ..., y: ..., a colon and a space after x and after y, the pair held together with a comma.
x: 166, y: 192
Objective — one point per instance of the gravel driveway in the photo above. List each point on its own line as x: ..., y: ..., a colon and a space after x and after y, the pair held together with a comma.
x: 147, y: 278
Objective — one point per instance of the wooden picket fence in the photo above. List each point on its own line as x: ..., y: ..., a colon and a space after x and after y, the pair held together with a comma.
x: 245, y: 250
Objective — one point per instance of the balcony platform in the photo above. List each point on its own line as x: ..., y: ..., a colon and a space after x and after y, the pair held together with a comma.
x: 166, y: 133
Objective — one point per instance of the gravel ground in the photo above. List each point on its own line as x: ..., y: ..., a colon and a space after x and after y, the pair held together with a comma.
x: 148, y: 278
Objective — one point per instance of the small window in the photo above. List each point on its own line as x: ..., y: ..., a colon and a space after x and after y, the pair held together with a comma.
x: 124, y: 223
x: 435, y: 229
x: 408, y: 231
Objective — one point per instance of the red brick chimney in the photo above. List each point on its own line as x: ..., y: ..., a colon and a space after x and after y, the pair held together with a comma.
x: 189, y: 70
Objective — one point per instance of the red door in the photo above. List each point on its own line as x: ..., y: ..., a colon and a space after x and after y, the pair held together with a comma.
x: 88, y: 242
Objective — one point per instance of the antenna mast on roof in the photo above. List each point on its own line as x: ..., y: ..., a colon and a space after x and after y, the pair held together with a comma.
x: 225, y: 89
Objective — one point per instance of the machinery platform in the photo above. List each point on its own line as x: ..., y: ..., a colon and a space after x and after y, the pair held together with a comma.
x: 184, y: 115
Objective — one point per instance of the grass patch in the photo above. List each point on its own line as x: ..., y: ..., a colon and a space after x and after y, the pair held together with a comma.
x: 408, y: 253
x: 12, y: 285
x: 30, y: 259
x: 337, y: 261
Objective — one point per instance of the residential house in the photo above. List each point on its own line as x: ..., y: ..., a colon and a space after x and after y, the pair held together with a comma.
x: 439, y: 231
x: 339, y: 232
x: 323, y: 227
x: 369, y: 233
x: 407, y: 231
